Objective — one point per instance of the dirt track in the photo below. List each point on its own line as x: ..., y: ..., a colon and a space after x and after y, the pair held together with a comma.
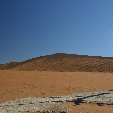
x: 21, y: 84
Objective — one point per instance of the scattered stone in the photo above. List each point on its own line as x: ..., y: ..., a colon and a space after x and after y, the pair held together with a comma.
x: 54, y: 104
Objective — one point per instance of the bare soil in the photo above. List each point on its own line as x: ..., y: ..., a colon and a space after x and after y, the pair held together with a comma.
x: 21, y: 84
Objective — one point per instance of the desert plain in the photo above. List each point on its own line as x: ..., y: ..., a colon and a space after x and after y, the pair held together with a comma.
x: 23, y: 84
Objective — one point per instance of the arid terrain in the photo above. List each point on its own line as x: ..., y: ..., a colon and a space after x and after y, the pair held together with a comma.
x: 63, y: 63
x: 58, y: 75
x: 23, y: 84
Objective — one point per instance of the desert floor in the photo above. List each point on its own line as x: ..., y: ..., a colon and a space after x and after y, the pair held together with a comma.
x: 21, y: 84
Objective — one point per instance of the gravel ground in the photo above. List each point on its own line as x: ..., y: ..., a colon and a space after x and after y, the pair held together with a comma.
x: 55, y: 103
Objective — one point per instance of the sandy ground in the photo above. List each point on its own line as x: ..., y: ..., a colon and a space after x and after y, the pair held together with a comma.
x: 21, y: 84
x: 88, y: 108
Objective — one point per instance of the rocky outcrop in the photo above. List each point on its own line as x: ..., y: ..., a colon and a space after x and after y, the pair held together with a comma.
x: 55, y: 103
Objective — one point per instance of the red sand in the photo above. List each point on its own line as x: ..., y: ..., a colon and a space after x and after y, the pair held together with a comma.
x: 21, y: 84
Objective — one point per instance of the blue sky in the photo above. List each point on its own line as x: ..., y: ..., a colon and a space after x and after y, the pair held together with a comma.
x: 30, y: 28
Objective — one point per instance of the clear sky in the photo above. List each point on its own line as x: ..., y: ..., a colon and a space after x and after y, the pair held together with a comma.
x: 30, y: 28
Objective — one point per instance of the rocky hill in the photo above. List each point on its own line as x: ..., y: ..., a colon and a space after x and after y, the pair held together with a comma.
x: 63, y: 62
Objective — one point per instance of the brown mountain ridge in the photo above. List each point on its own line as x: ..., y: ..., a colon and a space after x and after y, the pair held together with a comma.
x: 63, y: 62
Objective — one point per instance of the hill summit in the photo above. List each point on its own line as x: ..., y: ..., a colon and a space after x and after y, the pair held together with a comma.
x: 63, y: 62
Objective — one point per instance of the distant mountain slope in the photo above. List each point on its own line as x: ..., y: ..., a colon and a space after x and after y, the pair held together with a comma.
x: 64, y: 62
x: 8, y: 65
